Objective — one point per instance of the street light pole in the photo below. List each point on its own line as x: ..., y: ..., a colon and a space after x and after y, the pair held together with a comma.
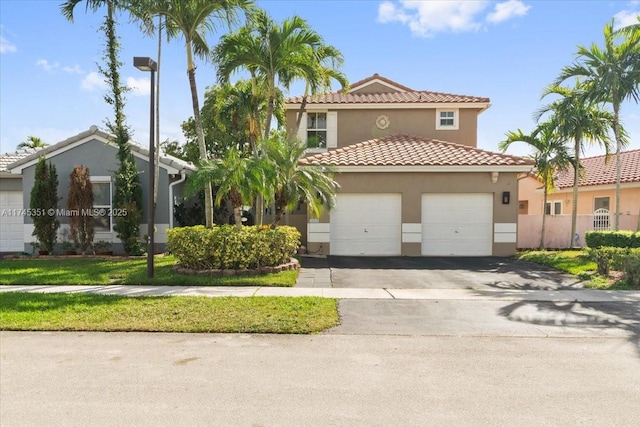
x: 148, y: 64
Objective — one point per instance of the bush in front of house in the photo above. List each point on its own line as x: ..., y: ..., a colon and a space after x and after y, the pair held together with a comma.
x: 227, y: 247
x: 80, y: 199
x: 617, y: 239
x: 626, y: 260
x: 44, y: 205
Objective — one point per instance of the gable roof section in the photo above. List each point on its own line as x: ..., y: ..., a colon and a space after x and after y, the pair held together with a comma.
x: 399, y: 95
x: 599, y: 172
x: 170, y: 163
x: 377, y: 78
x: 8, y: 158
x: 404, y: 152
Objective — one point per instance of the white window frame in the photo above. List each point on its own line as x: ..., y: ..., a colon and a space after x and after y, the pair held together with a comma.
x: 332, y: 130
x: 104, y: 180
x: 317, y: 129
x: 455, y: 117
x: 555, y: 208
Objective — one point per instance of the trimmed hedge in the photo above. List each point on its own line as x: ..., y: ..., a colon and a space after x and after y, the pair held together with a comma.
x: 616, y: 239
x: 227, y: 247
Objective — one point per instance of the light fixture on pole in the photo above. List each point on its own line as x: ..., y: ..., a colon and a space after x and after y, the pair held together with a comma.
x: 144, y: 63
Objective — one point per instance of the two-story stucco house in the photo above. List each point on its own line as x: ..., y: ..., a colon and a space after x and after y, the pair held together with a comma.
x: 413, y: 181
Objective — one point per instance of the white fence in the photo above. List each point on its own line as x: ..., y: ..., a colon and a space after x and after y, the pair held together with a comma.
x: 558, y: 229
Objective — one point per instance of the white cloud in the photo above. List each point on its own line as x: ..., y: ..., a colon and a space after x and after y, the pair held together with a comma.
x: 6, y: 46
x: 139, y: 87
x: 507, y: 10
x: 426, y: 18
x: 46, y: 65
x: 93, y: 81
x: 625, y: 17
x: 73, y: 70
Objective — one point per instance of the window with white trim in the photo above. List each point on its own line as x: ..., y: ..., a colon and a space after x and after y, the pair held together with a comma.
x: 447, y: 119
x: 553, y: 208
x: 316, y: 130
x: 102, y: 221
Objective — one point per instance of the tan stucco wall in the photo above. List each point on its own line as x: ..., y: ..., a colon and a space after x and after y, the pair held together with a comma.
x: 359, y: 125
x: 413, y: 185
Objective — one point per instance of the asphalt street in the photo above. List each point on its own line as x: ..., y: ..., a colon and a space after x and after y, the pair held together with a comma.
x: 108, y: 379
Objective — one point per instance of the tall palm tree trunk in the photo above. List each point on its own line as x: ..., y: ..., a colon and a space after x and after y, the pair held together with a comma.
x: 576, y: 177
x: 616, y: 132
x: 303, y: 105
x: 191, y: 71
x: 544, y: 216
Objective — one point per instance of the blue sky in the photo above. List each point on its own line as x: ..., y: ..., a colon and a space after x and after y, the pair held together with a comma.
x: 505, y: 50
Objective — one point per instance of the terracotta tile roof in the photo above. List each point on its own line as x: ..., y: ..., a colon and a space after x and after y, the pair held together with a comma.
x: 7, y: 158
x: 407, y: 150
x: 409, y: 96
x: 599, y: 172
x: 422, y: 96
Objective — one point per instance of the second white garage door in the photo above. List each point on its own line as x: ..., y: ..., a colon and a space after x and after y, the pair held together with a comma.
x: 366, y: 224
x: 457, y: 224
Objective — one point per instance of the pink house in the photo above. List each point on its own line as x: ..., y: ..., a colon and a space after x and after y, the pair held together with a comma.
x: 596, y: 192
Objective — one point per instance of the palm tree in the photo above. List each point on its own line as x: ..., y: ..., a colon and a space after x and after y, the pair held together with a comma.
x: 33, y: 143
x: 294, y: 183
x: 583, y: 122
x: 275, y: 55
x: 327, y: 61
x: 236, y: 175
x: 193, y: 20
x: 610, y: 75
x: 549, y: 154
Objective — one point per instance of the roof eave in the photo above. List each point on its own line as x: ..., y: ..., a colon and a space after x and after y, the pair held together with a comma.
x: 481, y: 106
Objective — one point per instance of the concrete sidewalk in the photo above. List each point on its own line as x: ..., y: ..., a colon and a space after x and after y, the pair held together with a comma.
x: 578, y: 295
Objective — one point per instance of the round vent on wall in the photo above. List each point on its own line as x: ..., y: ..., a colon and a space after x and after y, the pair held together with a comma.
x: 383, y: 122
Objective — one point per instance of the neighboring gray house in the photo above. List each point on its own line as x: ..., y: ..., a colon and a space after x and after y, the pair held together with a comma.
x: 96, y: 150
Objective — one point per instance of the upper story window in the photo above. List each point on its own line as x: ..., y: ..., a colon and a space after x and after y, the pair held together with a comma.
x: 447, y: 119
x: 317, y: 130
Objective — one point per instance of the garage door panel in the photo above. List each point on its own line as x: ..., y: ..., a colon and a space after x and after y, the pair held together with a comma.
x: 457, y: 224
x: 366, y: 224
x: 11, y: 224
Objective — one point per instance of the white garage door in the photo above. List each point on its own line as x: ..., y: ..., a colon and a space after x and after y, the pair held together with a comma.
x: 11, y: 222
x: 457, y: 224
x: 366, y: 224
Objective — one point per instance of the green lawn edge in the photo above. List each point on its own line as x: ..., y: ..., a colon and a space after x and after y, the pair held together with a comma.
x: 122, y: 271
x: 20, y: 311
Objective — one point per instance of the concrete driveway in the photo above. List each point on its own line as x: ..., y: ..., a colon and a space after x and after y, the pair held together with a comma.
x: 440, y: 273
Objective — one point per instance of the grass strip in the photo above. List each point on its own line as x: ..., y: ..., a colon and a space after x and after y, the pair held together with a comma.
x: 576, y: 263
x: 118, y: 271
x: 86, y: 312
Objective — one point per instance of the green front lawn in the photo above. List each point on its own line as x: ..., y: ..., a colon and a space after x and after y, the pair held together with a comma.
x: 119, y: 271
x: 86, y: 312
x: 576, y: 263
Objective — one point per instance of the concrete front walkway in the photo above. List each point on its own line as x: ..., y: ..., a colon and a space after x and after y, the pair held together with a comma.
x: 570, y: 295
